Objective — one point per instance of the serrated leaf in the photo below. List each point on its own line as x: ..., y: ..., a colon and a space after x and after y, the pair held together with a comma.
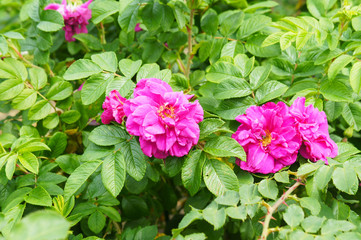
x: 70, y: 116
x: 270, y: 90
x: 209, y: 126
x: 259, y: 76
x: 95, y: 87
x: 336, y: 91
x: 294, y: 215
x: 345, y: 179
x: 312, y: 204
x: 96, y: 222
x: 219, y: 177
x: 108, y: 135
x: 50, y: 21
x: 39, y: 196
x: 355, y: 77
x: 192, y: 171
x: 113, y: 173
x: 59, y: 91
x: 216, y: 217
x: 10, y: 89
x: 352, y: 115
x: 81, y: 68
x: 338, y: 64
x: 225, y: 147
x: 29, y: 161
x: 25, y: 99
x: 79, y: 176
x: 107, y: 61
x: 40, y: 110
x: 129, y: 68
x: 134, y: 159
x: 332, y: 226
x: 268, y: 188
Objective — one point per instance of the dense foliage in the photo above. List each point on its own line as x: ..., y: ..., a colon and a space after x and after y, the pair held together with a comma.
x: 66, y: 175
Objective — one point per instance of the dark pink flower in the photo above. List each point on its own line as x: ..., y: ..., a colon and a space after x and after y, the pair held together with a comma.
x: 113, y: 108
x: 138, y: 28
x: 165, y: 121
x: 81, y: 86
x: 269, y: 138
x: 313, y: 128
x: 75, y: 17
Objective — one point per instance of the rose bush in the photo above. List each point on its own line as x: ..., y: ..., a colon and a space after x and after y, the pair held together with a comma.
x: 174, y: 119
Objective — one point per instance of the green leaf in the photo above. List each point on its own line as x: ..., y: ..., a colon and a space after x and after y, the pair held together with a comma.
x: 4, y: 48
x: 231, y: 22
x: 128, y: 16
x: 312, y: 224
x: 229, y: 198
x: 192, y: 171
x: 25, y: 99
x: 312, y: 204
x: 70, y: 116
x: 328, y: 55
x: 113, y: 173
x: 81, y: 68
x: 302, y: 38
x: 57, y: 144
x: 108, y: 135
x: 129, y: 68
x: 215, y: 216
x: 29, y: 161
x: 286, y: 40
x: 222, y: 71
x: 51, y: 121
x: 333, y: 226
x: 41, y: 225
x: 252, y: 25
x: 209, y: 22
x: 209, y: 126
x: 10, y: 166
x: 107, y: 61
x: 333, y: 110
x: 282, y: 177
x: 79, y: 176
x: 294, y: 215
x: 148, y: 71
x: 10, y: 89
x: 152, y: 15
x: 239, y: 212
x: 59, y: 91
x: 190, y: 217
x: 254, y: 46
x: 232, y: 89
x: 39, y: 196
x: 352, y: 115
x: 232, y: 49
x: 323, y: 176
x: 336, y: 91
x: 38, y: 78
x: 231, y: 108
x: 349, y: 236
x: 269, y: 91
x: 272, y: 39
x: 68, y: 163
x: 355, y: 77
x: 225, y: 147
x: 31, y: 146
x: 40, y: 110
x: 96, y: 222
x: 134, y: 159
x: 338, y: 64
x: 90, y: 42
x: 111, y: 212
x: 268, y: 188
x: 95, y: 87
x: 345, y: 179
x: 219, y: 177
x: 259, y: 75
x: 50, y: 21
x: 122, y: 84
x: 101, y: 10
x: 147, y: 233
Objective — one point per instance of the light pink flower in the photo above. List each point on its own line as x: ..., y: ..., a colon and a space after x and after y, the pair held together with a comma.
x: 165, y: 121
x: 313, y: 128
x: 269, y: 138
x: 138, y: 28
x: 113, y: 108
x: 75, y: 17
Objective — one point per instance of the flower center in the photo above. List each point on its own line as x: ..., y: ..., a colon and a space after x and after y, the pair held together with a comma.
x: 166, y: 111
x: 266, y: 140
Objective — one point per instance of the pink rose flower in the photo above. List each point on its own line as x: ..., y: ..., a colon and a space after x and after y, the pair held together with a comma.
x: 165, y: 121
x: 313, y: 128
x: 269, y: 138
x: 138, y: 28
x: 75, y: 17
x: 113, y: 108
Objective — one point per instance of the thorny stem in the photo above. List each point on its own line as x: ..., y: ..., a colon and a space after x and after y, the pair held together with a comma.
x: 190, y: 56
x: 271, y: 210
